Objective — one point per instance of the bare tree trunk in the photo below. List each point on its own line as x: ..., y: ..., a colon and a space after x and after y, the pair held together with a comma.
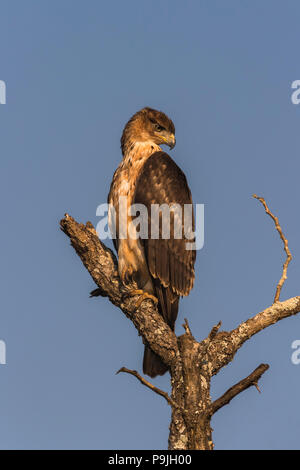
x: 191, y: 364
x: 190, y: 425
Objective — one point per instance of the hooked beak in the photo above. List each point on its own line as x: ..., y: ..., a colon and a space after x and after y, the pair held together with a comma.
x: 172, y: 141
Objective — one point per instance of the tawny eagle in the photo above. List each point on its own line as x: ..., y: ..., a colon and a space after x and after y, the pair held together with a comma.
x: 160, y: 268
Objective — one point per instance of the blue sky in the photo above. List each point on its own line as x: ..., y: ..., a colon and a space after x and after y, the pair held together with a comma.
x: 75, y: 72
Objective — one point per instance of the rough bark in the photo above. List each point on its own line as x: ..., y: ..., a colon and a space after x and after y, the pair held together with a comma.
x: 191, y: 363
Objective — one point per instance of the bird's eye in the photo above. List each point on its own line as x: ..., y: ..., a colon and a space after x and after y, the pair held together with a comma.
x: 159, y: 128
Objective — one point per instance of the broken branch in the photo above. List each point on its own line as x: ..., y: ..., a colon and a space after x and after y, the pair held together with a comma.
x: 149, y: 385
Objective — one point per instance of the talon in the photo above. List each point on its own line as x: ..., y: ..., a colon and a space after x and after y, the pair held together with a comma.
x: 143, y: 296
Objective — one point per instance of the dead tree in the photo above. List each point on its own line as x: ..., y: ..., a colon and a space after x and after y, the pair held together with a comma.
x: 192, y: 364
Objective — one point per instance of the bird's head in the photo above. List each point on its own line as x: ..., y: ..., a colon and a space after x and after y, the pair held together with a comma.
x: 148, y: 125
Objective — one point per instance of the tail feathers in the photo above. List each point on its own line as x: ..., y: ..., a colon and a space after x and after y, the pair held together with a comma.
x: 168, y: 307
x: 168, y: 303
x: 152, y: 364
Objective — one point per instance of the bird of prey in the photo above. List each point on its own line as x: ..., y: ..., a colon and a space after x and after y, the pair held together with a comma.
x: 159, y: 268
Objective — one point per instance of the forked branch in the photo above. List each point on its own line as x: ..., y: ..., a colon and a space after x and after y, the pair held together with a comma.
x: 285, y: 244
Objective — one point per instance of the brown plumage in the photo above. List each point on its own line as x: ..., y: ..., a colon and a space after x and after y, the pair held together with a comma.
x: 147, y: 175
